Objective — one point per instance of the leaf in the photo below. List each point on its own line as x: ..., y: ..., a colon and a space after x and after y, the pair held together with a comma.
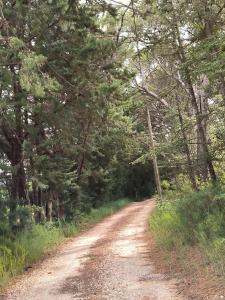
x: 16, y: 44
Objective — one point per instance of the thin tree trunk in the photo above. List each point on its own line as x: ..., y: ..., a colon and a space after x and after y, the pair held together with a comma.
x: 49, y: 205
x: 81, y: 159
x: 222, y: 81
x: 39, y: 198
x: 18, y: 194
x: 155, y: 164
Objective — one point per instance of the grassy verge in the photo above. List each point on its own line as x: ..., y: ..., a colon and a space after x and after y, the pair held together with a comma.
x: 195, y: 220
x: 20, y: 251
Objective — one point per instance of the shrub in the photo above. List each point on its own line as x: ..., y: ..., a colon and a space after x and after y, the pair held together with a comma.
x: 22, y: 217
x: 193, y: 219
x: 215, y: 253
x: 30, y: 241
x: 6, y: 258
x: 165, y: 185
x: 168, y: 227
x: 4, y: 228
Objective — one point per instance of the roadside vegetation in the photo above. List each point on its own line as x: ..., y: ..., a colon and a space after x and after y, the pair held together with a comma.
x: 72, y: 127
x: 186, y: 219
x: 21, y: 247
x: 97, y: 96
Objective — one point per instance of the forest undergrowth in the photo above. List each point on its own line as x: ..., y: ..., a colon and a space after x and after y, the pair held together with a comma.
x: 19, y: 249
x: 184, y: 221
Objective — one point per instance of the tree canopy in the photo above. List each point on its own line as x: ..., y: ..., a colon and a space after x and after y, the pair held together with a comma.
x: 92, y: 92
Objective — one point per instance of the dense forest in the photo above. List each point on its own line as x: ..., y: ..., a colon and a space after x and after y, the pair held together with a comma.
x: 69, y: 127
x: 103, y: 100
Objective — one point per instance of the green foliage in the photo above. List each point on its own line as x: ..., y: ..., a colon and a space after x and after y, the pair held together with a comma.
x: 69, y: 125
x: 167, y: 226
x: 23, y: 217
x: 165, y: 184
x: 200, y: 61
x: 16, y: 43
x: 32, y: 79
x: 18, y: 251
x: 96, y: 214
x: 193, y: 219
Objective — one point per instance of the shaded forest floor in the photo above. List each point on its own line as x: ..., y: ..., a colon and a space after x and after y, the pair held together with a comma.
x: 196, y: 279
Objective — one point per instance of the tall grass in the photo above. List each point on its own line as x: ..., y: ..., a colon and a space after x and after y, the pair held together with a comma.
x: 193, y: 219
x: 18, y: 252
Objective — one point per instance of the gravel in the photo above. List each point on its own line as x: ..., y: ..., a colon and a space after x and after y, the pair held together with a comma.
x: 108, y: 262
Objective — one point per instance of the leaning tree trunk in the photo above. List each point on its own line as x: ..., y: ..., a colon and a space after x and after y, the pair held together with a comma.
x: 202, y: 97
x: 155, y: 164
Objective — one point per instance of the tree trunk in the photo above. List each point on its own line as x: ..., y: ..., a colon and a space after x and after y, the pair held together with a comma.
x: 198, y: 115
x: 18, y: 193
x: 205, y: 150
x: 222, y: 82
x: 49, y: 205
x: 15, y: 138
x: 155, y: 164
x: 202, y: 97
x: 81, y: 158
x: 40, y: 201
x: 191, y: 171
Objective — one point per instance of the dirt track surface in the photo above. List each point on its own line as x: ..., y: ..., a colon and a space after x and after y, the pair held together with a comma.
x: 110, y: 261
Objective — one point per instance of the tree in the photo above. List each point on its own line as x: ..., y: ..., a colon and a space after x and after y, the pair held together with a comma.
x: 62, y: 84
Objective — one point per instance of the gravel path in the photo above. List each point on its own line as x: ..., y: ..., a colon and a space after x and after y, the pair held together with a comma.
x: 110, y: 261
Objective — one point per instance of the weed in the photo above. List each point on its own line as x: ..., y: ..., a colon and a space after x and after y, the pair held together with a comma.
x: 193, y: 219
x: 19, y: 251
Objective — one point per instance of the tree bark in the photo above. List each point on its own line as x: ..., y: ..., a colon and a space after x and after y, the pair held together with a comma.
x: 14, y: 154
x: 191, y: 170
x: 81, y: 158
x: 222, y: 82
x: 49, y: 204
x: 155, y: 164
x: 206, y: 154
x: 198, y: 115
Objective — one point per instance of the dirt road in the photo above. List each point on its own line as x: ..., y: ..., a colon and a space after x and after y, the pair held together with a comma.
x: 110, y: 261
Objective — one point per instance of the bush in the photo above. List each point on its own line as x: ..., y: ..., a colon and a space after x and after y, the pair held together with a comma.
x: 22, y: 217
x: 26, y: 216
x: 193, y: 219
x: 165, y: 185
x: 215, y: 251
x: 168, y: 227
x: 4, y: 228
x: 30, y: 241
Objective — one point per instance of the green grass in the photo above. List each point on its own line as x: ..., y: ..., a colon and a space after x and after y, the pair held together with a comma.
x: 193, y: 219
x: 97, y: 214
x: 21, y: 251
